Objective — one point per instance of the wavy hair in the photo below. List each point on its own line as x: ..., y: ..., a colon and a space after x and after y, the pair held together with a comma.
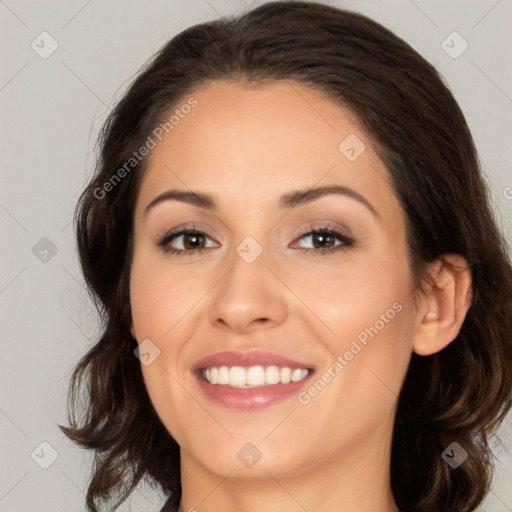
x: 460, y: 394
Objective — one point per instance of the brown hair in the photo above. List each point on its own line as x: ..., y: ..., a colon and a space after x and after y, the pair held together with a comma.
x: 459, y: 394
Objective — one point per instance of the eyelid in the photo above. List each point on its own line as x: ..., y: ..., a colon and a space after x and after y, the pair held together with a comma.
x: 187, y: 226
x: 318, y: 224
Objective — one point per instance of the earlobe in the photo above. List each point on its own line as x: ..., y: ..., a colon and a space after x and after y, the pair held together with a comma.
x: 132, y: 330
x: 445, y: 303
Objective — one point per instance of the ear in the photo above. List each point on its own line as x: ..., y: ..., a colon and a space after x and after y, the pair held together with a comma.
x: 132, y: 330
x: 444, y: 304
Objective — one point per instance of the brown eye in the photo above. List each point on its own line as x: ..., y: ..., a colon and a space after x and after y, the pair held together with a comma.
x: 192, y: 241
x: 324, y: 240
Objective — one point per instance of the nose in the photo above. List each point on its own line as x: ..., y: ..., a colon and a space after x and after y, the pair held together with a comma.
x: 249, y: 297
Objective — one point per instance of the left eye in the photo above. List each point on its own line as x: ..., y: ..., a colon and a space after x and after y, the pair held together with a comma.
x: 323, y: 238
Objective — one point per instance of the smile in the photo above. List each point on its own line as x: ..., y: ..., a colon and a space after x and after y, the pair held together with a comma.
x: 251, y: 379
x: 254, y: 376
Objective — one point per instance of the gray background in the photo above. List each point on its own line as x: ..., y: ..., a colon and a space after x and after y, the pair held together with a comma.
x: 51, y: 111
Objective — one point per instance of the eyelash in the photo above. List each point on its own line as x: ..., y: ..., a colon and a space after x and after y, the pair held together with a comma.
x: 347, y: 242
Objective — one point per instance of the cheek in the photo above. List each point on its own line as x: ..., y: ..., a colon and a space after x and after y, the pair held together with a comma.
x: 356, y: 392
x: 159, y: 304
x: 363, y: 291
x: 159, y: 297
x: 368, y: 314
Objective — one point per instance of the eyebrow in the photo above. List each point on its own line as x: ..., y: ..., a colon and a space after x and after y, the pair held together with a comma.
x: 288, y: 200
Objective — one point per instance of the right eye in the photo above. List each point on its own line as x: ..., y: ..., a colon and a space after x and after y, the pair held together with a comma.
x: 191, y: 237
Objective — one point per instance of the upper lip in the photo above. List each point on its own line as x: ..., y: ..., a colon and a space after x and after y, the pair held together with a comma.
x: 248, y: 359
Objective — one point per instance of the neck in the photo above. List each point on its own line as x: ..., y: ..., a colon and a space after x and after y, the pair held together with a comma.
x: 359, y: 480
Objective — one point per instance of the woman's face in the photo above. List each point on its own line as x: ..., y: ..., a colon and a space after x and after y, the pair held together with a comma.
x: 319, y: 325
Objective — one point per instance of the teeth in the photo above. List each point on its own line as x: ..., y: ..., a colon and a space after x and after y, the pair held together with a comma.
x: 297, y: 375
x: 237, y: 376
x: 223, y: 375
x: 286, y: 375
x: 255, y: 376
x: 272, y: 375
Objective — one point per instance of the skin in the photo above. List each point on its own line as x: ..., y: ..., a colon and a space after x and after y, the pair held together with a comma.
x: 247, y: 145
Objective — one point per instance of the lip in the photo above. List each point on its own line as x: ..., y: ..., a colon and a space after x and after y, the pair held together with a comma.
x: 249, y: 398
x: 248, y: 359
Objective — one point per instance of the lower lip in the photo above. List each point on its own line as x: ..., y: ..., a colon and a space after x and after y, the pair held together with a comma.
x: 250, y: 398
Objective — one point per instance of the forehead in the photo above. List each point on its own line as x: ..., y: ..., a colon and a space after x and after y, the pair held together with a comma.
x: 274, y: 122
x: 257, y: 142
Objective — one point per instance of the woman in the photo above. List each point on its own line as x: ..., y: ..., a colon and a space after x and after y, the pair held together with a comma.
x: 307, y: 302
